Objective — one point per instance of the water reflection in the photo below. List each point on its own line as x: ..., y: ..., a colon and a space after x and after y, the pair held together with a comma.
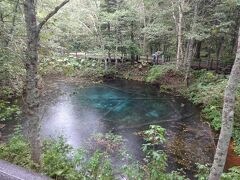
x: 70, y: 120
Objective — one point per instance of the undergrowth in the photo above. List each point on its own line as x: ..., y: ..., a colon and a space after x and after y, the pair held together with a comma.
x: 17, y: 150
x: 204, y: 170
x: 9, y: 111
x: 158, y: 71
x: 206, y: 89
x: 61, y: 161
x: 72, y: 66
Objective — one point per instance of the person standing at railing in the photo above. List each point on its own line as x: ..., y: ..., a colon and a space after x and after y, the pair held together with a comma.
x: 154, y: 58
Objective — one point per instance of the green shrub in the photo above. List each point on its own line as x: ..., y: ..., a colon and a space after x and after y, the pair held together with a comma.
x: 208, y: 90
x: 12, y: 74
x: 61, y: 161
x: 158, y: 71
x: 155, y: 159
x: 204, y: 171
x: 17, y: 150
x: 71, y: 66
x: 133, y: 171
x: 56, y: 161
x: 8, y: 111
x: 232, y: 174
x: 99, y: 167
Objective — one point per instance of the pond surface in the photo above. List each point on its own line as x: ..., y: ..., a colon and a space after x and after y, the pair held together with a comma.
x: 126, y: 107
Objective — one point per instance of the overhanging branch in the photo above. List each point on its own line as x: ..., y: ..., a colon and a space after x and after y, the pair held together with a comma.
x: 51, y: 14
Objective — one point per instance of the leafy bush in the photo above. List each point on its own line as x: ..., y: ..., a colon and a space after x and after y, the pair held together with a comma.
x: 204, y: 171
x: 61, y: 161
x: 208, y: 91
x: 110, y: 73
x: 71, y: 66
x: 99, y: 167
x: 56, y: 162
x: 233, y: 173
x: 17, y: 151
x: 156, y: 72
x: 8, y: 111
x: 133, y: 171
x: 155, y: 159
x: 12, y: 74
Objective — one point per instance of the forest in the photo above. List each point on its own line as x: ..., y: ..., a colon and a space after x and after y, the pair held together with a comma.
x: 120, y: 89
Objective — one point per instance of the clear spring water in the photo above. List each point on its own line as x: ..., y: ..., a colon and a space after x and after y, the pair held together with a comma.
x: 125, y: 107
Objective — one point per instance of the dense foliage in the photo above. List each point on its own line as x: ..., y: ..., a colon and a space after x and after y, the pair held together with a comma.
x: 61, y: 161
x: 8, y: 111
x: 75, y: 67
x: 198, y: 33
x: 206, y: 90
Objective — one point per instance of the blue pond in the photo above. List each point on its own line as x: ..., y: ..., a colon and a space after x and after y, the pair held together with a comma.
x: 126, y: 107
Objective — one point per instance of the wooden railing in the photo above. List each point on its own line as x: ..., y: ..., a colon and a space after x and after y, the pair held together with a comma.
x: 9, y: 171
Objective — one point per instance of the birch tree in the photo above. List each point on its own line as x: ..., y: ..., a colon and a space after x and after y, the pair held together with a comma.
x: 227, y: 118
x: 179, y: 30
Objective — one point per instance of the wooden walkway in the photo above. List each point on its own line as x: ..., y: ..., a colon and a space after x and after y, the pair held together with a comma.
x: 202, y: 64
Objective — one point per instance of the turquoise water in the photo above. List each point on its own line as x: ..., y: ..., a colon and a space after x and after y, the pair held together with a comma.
x: 126, y: 107
x: 123, y: 108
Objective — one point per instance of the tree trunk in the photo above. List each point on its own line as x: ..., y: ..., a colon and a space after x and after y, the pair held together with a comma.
x: 116, y: 57
x: 189, y: 59
x: 10, y: 36
x: 31, y: 64
x: 109, y: 35
x: 227, y: 118
x: 190, y: 46
x: 116, y: 46
x: 186, y: 53
x: 144, y: 25
x: 235, y: 36
x: 218, y: 55
x: 209, y: 58
x: 198, y: 49
x: 105, y: 64
x: 180, y: 59
x: 132, y: 40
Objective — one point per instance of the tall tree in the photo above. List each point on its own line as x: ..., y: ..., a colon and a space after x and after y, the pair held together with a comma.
x: 31, y: 64
x: 178, y: 17
x: 227, y: 118
x: 191, y: 40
